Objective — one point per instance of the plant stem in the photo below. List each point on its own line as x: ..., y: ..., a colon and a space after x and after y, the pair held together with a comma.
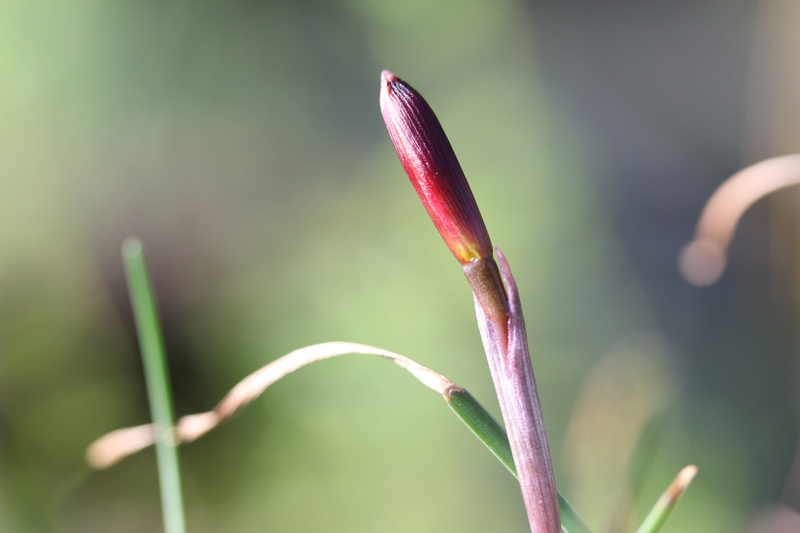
x: 158, y: 386
x: 489, y: 431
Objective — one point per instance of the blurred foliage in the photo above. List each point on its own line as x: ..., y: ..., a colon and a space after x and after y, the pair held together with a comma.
x: 242, y: 142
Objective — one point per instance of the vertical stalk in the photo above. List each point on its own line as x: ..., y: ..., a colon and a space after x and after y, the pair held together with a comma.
x: 437, y: 177
x: 158, y: 387
x: 506, y: 346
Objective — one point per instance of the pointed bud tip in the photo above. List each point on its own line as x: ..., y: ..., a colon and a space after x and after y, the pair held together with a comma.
x: 389, y: 82
x: 388, y: 77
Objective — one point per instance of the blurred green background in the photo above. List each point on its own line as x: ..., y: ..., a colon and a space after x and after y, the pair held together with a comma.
x: 242, y: 142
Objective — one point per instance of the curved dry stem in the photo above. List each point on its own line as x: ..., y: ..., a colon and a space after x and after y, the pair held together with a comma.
x: 114, y: 446
x: 703, y: 260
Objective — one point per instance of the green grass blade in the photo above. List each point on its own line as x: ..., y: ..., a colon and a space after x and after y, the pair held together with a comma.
x: 158, y: 387
x: 486, y: 428
x: 666, y: 503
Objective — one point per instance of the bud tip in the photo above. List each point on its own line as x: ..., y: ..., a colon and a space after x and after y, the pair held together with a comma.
x: 388, y: 77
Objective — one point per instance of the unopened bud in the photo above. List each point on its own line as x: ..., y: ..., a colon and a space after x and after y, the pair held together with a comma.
x: 434, y: 171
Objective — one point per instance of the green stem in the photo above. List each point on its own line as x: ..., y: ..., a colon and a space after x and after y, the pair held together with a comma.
x: 158, y: 387
x: 486, y: 428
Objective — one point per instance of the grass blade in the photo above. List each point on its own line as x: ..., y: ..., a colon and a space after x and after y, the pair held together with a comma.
x: 158, y: 386
x: 489, y: 431
x: 666, y: 503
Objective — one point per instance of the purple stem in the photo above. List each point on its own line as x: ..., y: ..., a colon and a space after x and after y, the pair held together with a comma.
x: 506, y: 347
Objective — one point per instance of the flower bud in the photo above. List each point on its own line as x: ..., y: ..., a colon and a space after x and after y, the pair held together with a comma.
x: 434, y: 171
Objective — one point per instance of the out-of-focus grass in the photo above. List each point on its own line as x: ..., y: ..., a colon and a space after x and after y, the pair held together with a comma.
x: 157, y: 380
x: 242, y: 141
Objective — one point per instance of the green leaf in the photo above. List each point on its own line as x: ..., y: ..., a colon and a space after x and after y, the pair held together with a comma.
x: 666, y: 503
x: 486, y: 428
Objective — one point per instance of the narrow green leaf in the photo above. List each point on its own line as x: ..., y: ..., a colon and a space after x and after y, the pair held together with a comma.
x: 666, y: 503
x: 489, y: 431
x: 158, y: 387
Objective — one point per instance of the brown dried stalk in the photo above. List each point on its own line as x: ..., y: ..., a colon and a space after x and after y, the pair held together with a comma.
x: 703, y: 260
x: 115, y: 446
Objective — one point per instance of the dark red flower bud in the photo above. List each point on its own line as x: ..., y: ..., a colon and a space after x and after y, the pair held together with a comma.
x: 432, y: 167
x: 434, y: 171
